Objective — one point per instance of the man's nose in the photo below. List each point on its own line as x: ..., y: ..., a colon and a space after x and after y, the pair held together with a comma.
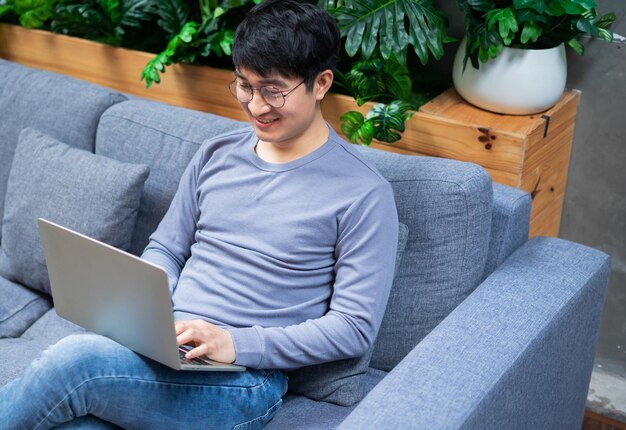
x: 258, y: 105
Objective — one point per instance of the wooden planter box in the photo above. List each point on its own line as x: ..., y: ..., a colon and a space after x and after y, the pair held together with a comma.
x: 528, y: 152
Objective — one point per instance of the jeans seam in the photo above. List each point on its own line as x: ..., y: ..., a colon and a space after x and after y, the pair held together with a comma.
x: 54, y: 408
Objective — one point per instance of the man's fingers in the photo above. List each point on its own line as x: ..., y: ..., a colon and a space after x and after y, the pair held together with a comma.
x: 197, y: 352
x: 180, y: 327
x: 184, y: 337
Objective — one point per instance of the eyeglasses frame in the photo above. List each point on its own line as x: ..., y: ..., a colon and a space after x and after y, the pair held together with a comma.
x: 259, y: 89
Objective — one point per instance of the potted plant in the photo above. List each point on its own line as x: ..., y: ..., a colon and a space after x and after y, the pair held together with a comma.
x: 512, y: 59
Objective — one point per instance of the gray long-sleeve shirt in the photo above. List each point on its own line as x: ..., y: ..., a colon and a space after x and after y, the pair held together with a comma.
x: 296, y: 259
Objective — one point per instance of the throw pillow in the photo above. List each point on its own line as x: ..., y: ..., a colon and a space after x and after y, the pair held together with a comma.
x: 89, y: 193
x: 340, y: 382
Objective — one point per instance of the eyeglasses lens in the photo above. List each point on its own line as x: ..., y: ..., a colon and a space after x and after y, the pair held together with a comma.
x: 244, y: 94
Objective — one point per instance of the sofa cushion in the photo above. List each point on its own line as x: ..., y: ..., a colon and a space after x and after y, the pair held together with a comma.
x: 447, y: 206
x: 91, y: 194
x: 163, y: 137
x: 20, y: 352
x: 302, y: 413
x: 340, y: 382
x: 60, y: 106
x: 19, y: 308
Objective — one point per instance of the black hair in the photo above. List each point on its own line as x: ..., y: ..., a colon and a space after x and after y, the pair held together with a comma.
x: 290, y: 37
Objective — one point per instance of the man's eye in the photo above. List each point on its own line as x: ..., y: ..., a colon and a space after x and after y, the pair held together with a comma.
x: 273, y: 92
x: 244, y: 87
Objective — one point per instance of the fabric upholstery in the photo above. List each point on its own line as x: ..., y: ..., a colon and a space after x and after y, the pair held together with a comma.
x: 509, y: 224
x: 302, y: 413
x: 88, y: 193
x: 340, y: 382
x: 164, y: 138
x: 447, y: 206
x: 19, y: 308
x: 516, y: 354
x: 20, y: 352
x: 31, y: 98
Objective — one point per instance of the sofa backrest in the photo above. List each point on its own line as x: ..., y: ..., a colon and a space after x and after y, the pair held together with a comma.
x: 447, y: 206
x: 163, y: 137
x: 62, y: 107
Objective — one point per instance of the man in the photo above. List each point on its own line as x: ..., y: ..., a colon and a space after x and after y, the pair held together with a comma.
x: 279, y: 247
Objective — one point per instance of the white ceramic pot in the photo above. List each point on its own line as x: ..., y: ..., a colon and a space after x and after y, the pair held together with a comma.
x: 517, y: 81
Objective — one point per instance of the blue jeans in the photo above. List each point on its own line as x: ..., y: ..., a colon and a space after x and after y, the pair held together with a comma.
x: 92, y: 376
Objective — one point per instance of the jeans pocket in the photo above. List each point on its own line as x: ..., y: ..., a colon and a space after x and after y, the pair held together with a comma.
x: 260, y: 422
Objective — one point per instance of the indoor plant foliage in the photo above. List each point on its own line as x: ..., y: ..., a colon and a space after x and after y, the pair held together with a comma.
x: 491, y: 25
x: 384, y: 33
x: 209, y: 30
x: 379, y: 32
x: 105, y: 21
x: 380, y: 38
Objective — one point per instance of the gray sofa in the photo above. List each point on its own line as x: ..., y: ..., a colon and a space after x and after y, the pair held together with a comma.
x: 484, y: 329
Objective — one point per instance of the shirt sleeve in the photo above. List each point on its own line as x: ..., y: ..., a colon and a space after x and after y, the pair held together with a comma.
x: 170, y: 244
x: 365, y: 255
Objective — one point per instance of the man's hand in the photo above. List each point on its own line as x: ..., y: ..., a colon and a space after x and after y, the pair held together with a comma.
x: 208, y: 339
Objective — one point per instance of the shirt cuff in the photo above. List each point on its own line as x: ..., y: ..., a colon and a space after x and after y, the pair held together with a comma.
x: 248, y: 347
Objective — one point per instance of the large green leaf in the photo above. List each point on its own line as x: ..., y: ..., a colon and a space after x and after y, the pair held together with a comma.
x: 367, y: 24
x: 33, y: 13
x: 135, y: 12
x: 377, y: 78
x: 80, y: 19
x: 112, y: 10
x: 156, y: 66
x: 173, y: 14
x: 5, y: 9
x: 539, y: 6
x: 388, y: 120
x: 356, y: 129
x: 531, y: 32
x: 506, y: 23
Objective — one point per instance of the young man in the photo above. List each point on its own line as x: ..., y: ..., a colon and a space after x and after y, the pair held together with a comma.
x: 279, y: 247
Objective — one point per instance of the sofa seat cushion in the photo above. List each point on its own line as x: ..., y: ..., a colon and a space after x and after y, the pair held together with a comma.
x: 20, y: 352
x: 62, y: 107
x: 302, y: 413
x: 93, y: 195
x: 20, y: 307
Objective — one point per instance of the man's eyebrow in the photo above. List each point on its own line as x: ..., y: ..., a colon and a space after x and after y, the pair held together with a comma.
x: 265, y: 81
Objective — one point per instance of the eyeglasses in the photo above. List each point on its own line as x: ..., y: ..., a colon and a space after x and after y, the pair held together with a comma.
x: 272, y: 95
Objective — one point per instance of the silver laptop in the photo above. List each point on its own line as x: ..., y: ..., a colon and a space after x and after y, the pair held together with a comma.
x: 117, y: 295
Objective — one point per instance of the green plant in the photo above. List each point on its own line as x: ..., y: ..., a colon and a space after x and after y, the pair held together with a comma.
x: 31, y: 13
x: 104, y: 21
x: 213, y: 32
x: 390, y: 26
x: 381, y: 31
x: 380, y: 38
x: 384, y: 122
x: 490, y: 25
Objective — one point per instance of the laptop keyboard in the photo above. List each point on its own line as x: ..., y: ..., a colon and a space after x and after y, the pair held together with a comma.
x: 182, y: 350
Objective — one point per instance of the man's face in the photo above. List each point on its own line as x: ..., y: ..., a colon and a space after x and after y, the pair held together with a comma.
x: 286, y: 126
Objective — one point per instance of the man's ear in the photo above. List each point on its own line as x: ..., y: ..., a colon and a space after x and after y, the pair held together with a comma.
x: 323, y: 83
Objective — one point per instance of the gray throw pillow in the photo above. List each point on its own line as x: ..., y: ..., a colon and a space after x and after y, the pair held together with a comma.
x: 340, y: 382
x: 89, y: 193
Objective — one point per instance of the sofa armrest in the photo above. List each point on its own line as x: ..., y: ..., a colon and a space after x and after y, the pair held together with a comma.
x: 516, y: 354
x: 509, y: 224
